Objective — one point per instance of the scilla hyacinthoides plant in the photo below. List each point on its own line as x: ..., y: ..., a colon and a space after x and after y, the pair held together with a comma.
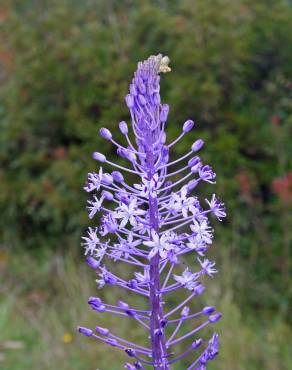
x: 151, y: 225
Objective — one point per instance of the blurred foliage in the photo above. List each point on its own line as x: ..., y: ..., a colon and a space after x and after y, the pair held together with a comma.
x: 39, y: 318
x: 65, y: 69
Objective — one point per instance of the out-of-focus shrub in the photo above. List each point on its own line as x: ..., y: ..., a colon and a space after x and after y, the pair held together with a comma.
x: 65, y: 68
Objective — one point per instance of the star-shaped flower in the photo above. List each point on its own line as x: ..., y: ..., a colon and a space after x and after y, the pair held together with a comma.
x: 128, y: 212
x: 149, y: 187
x: 94, y: 206
x: 91, y: 241
x: 180, y: 202
x: 159, y: 244
x: 93, y: 181
x: 216, y: 207
x: 188, y: 280
x: 202, y: 231
x: 143, y: 278
x: 207, y: 267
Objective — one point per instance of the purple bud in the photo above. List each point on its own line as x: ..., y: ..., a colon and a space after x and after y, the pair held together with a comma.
x: 123, y: 127
x: 117, y: 176
x: 105, y: 133
x: 132, y: 284
x: 85, y: 331
x: 192, y: 184
x: 196, y: 167
x: 107, y: 179
x: 100, y: 308
x: 164, y: 112
x: 141, y: 99
x: 188, y: 125
x: 101, y: 330
x: 158, y: 332
x: 156, y: 99
x: 199, y: 289
x: 124, y: 153
x: 208, y: 310
x: 129, y: 366
x: 131, y: 313
x: 215, y: 317
x: 138, y: 365
x: 112, y: 342
x: 130, y: 352
x: 163, y: 323
x: 194, y: 161
x: 131, y: 157
x: 185, y: 311
x: 129, y: 101
x: 123, y: 304
x: 163, y: 138
x: 93, y: 263
x: 99, y: 157
x: 198, y: 144
x: 94, y: 300
x: 142, y: 88
x: 107, y: 195
x: 197, y: 343
x: 133, y: 89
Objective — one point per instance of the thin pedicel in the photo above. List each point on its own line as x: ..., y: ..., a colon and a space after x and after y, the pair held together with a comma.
x: 150, y: 225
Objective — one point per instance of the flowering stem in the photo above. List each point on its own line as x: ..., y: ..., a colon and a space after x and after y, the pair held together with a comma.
x: 157, y: 340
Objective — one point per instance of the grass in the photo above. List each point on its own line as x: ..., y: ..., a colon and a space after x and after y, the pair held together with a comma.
x: 43, y: 300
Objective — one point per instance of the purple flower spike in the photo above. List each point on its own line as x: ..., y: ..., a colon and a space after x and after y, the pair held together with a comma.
x: 150, y: 225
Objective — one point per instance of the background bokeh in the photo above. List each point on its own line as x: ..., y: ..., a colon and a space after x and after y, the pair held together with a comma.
x: 65, y: 66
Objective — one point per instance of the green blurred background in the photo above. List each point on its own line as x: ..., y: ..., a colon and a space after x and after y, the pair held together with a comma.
x: 65, y: 66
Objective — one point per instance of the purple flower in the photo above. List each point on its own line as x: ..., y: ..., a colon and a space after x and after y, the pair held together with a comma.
x: 150, y: 225
x: 188, y: 280
x: 158, y: 244
x: 128, y: 213
x: 216, y: 207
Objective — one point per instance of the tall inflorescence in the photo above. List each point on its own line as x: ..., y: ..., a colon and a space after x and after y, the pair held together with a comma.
x: 151, y: 225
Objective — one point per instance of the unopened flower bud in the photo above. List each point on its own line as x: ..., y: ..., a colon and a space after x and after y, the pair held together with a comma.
x: 185, y: 311
x: 117, y: 176
x: 156, y: 99
x: 94, y: 300
x: 93, y: 263
x: 130, y: 352
x: 141, y: 99
x: 194, y: 161
x: 188, y: 125
x: 164, y: 112
x: 99, y: 157
x: 198, y: 144
x: 107, y: 179
x: 105, y: 133
x: 192, y: 184
x: 85, y: 331
x: 129, y: 101
x: 132, y: 284
x: 123, y: 127
x: 215, y: 317
x: 208, y: 310
x: 123, y: 304
x: 196, y: 167
x: 199, y: 289
x: 129, y: 366
x: 101, y: 330
x: 197, y: 343
x: 107, y: 195
x: 163, y: 138
x: 133, y: 90
x: 111, y: 341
